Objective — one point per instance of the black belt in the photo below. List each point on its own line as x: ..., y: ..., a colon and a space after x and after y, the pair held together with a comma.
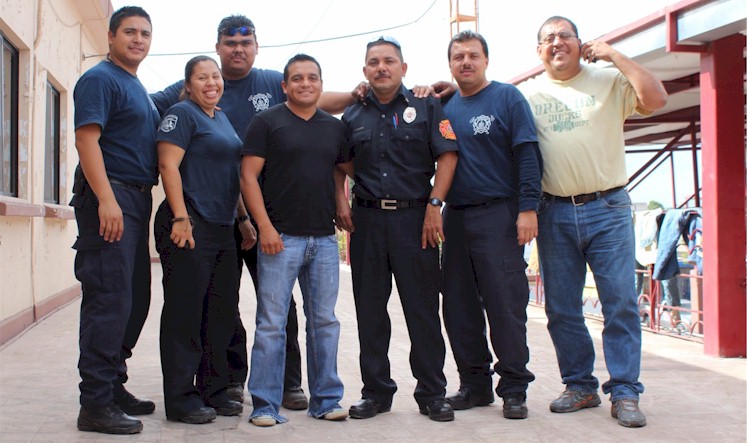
x: 141, y: 188
x: 580, y: 199
x: 477, y: 204
x: 391, y: 205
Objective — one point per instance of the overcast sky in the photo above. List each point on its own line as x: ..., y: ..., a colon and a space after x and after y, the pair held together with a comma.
x: 184, y: 27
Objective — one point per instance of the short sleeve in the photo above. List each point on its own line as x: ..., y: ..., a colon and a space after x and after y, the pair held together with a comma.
x: 177, y: 126
x: 256, y: 138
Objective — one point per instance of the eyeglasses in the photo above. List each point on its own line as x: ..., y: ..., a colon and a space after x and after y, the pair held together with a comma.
x: 384, y: 39
x: 550, y: 38
x: 244, y: 30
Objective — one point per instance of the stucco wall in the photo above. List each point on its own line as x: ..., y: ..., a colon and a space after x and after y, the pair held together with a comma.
x: 52, y: 37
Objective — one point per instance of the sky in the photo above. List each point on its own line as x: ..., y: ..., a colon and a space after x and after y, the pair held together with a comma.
x: 185, y: 28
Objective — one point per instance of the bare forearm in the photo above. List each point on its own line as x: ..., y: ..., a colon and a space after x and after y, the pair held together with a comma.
x: 172, y: 186
x: 444, y: 174
x: 650, y: 91
x: 335, y: 102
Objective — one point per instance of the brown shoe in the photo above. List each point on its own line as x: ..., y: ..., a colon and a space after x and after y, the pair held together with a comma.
x: 628, y: 414
x: 572, y: 400
x: 294, y: 399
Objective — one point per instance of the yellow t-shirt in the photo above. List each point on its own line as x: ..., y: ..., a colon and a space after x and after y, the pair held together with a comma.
x: 580, y: 129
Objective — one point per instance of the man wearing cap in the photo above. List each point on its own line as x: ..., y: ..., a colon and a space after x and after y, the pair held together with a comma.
x: 248, y: 91
x: 584, y: 212
x: 396, y: 140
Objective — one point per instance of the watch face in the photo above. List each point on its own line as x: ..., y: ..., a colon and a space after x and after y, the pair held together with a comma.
x: 435, y: 202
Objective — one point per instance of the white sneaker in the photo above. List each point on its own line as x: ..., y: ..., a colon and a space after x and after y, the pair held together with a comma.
x: 263, y: 421
x: 336, y: 415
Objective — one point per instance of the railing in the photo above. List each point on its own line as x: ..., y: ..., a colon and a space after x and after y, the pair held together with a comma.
x: 683, y: 320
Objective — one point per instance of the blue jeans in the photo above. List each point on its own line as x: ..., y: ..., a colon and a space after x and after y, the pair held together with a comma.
x: 315, y: 262
x: 599, y: 233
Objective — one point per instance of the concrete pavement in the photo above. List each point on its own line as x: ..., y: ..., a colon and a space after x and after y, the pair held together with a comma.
x: 689, y: 397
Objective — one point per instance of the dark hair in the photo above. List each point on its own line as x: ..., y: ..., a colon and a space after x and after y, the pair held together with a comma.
x: 466, y: 36
x: 233, y: 22
x: 553, y: 19
x: 300, y: 58
x: 386, y: 40
x: 124, y: 12
x: 189, y: 69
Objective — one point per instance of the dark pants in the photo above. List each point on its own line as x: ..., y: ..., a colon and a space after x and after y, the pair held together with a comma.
x: 115, y: 278
x: 237, y: 350
x: 199, y: 292
x: 483, y: 270
x: 387, y: 243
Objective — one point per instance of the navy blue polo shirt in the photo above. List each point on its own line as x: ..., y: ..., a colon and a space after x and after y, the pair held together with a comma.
x: 498, y: 152
x: 395, y: 146
x: 210, y: 167
x: 114, y: 99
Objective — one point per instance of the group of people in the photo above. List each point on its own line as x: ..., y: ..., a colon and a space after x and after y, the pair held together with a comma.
x: 477, y: 167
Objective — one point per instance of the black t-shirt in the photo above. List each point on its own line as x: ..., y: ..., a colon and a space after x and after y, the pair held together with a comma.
x: 300, y: 156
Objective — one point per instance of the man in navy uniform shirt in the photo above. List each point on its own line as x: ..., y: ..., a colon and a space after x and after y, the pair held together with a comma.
x: 396, y: 140
x: 115, y: 135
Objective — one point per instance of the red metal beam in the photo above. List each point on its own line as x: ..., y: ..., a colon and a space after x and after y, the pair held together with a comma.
x: 682, y: 83
x: 684, y: 115
x: 722, y: 130
x: 672, y: 35
x: 649, y: 138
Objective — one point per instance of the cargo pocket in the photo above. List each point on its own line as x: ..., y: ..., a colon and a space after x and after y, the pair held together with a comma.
x: 98, y: 263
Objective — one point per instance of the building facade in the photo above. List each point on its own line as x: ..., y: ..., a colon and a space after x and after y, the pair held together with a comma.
x: 46, y: 45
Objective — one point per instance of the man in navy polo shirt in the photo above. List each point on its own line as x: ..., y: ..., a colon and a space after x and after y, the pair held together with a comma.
x: 115, y: 135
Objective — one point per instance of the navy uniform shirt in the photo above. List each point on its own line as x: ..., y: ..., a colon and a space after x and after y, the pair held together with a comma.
x: 242, y: 99
x: 395, y: 146
x: 114, y: 99
x: 210, y: 167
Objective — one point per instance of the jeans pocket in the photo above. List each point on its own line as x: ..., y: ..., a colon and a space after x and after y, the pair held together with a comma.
x: 619, y: 199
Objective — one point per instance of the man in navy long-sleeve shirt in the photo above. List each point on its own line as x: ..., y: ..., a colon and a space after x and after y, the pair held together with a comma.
x: 491, y: 214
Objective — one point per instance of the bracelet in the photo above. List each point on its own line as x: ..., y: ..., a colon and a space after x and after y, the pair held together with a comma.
x: 242, y: 218
x: 181, y: 219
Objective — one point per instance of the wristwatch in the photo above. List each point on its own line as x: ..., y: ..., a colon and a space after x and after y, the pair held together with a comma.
x: 435, y: 201
x: 242, y: 218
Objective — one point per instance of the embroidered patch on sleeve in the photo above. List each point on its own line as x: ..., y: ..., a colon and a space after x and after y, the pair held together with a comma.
x: 446, y: 132
x: 169, y: 123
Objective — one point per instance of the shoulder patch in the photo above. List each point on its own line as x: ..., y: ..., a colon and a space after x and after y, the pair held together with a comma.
x: 168, y: 123
x: 446, y: 131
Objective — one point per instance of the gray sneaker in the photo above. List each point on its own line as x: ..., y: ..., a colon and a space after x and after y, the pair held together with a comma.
x: 572, y: 400
x: 628, y: 414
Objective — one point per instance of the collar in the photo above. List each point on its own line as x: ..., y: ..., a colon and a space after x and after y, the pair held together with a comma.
x: 402, y: 95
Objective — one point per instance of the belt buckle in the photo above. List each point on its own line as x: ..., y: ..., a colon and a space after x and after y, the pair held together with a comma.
x: 389, y: 205
x: 573, y: 200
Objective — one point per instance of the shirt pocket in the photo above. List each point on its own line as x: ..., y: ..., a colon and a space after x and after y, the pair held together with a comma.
x: 413, y: 145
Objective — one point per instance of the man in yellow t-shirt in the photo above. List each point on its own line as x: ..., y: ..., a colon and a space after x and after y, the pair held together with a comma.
x: 584, y: 212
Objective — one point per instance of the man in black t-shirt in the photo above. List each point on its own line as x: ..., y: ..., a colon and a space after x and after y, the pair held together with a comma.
x: 295, y: 146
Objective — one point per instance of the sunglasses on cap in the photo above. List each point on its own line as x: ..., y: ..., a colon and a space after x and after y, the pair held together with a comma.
x: 244, y: 30
x: 384, y: 39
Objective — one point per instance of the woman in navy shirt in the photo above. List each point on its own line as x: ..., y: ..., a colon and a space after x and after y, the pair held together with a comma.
x: 198, y: 158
